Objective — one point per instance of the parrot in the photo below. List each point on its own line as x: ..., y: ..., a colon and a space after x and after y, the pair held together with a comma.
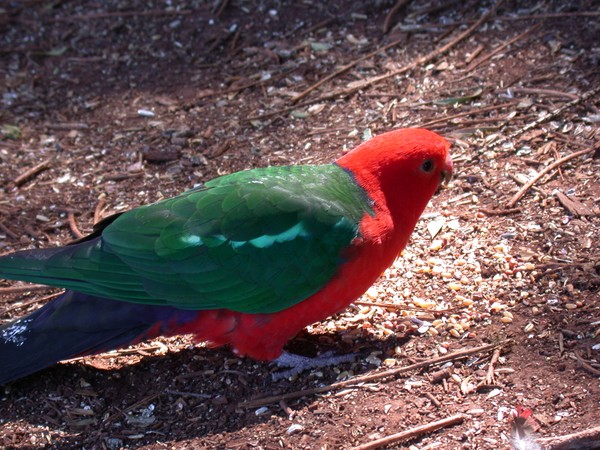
x: 245, y: 260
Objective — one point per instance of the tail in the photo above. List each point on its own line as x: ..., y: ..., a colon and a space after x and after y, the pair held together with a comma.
x: 77, y: 324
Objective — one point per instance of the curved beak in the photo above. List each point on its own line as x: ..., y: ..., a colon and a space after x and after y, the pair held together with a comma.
x: 446, y: 173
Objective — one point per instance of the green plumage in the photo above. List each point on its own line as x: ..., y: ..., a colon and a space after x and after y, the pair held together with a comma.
x: 257, y: 241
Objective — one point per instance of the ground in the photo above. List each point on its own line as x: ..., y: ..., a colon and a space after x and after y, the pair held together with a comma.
x: 109, y: 105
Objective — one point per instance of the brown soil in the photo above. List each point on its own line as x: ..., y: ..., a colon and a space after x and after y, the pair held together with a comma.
x: 218, y: 85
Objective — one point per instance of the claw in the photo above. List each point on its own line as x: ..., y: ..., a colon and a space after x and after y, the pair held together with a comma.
x: 298, y: 363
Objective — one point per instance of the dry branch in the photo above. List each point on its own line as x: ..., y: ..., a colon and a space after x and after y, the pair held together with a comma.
x: 584, y: 440
x: 353, y: 87
x: 502, y: 47
x: 545, y: 118
x: 574, y: 206
x: 73, y: 225
x: 547, y: 92
x: 371, y: 81
x: 388, y: 19
x: 585, y: 365
x: 8, y: 231
x: 99, y: 208
x: 110, y: 15
x: 543, y: 172
x: 372, y: 377
x: 500, y: 212
x: 412, y: 433
x: 29, y: 302
x: 137, y: 404
x: 32, y: 172
x: 21, y: 289
x: 343, y: 69
x: 466, y: 113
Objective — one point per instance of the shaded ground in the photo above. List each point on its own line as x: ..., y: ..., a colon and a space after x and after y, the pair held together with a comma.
x: 129, y: 102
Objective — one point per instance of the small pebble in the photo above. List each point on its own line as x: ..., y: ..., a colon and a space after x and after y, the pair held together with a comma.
x: 145, y: 113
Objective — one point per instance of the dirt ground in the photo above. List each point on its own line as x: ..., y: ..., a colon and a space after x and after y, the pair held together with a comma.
x: 107, y: 105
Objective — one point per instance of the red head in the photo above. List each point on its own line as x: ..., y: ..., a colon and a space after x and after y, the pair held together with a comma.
x: 401, y: 170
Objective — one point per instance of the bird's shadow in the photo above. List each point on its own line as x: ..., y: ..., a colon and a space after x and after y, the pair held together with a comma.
x: 193, y: 392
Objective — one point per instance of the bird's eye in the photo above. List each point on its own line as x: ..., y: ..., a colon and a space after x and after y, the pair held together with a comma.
x: 427, y: 166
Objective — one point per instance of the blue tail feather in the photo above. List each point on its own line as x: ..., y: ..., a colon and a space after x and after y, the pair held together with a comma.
x: 76, y: 324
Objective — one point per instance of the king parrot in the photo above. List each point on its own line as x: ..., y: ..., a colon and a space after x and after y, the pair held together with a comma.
x: 247, y: 260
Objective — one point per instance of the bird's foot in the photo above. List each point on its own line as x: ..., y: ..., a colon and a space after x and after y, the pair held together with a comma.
x: 298, y: 363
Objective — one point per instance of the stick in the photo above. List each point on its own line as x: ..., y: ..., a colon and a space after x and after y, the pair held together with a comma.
x: 388, y: 19
x: 502, y: 47
x: 188, y: 394
x: 545, y: 118
x: 500, y: 212
x: 371, y: 377
x: 29, y: 302
x: 99, y: 207
x: 412, y: 433
x: 132, y: 407
x: 585, y: 365
x: 73, y: 225
x: 466, y: 113
x: 343, y: 69
x: 396, y: 307
x: 221, y: 8
x: 543, y: 172
x: 419, y: 61
x: 490, y: 378
x: 547, y: 92
x: 32, y: 172
x: 107, y: 15
x: 21, y: 289
x: 589, y: 439
x: 8, y: 231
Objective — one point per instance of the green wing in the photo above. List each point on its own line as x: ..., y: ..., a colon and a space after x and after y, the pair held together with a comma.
x: 257, y: 241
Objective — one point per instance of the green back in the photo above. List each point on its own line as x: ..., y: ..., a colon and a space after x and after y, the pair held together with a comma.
x: 257, y: 241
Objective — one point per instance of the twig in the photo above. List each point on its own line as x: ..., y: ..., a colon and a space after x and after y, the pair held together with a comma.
x: 29, y: 302
x: 543, y: 172
x: 412, y: 433
x: 490, y: 378
x: 586, y: 439
x: 343, y: 69
x: 466, y: 113
x: 187, y: 394
x: 21, y: 289
x: 388, y: 19
x: 310, y: 29
x: 585, y: 365
x: 434, y: 400
x: 396, y: 307
x: 119, y: 353
x: 32, y: 172
x: 545, y: 118
x: 494, y: 52
x: 547, y: 92
x: 353, y: 87
x: 560, y: 15
x: 221, y: 8
x: 99, y: 207
x: 561, y: 344
x: 8, y: 231
x: 108, y: 15
x: 474, y: 54
x: 67, y: 126
x: 73, y: 225
x: 500, y: 212
x: 132, y: 407
x: 280, y: 111
x: 372, y: 377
